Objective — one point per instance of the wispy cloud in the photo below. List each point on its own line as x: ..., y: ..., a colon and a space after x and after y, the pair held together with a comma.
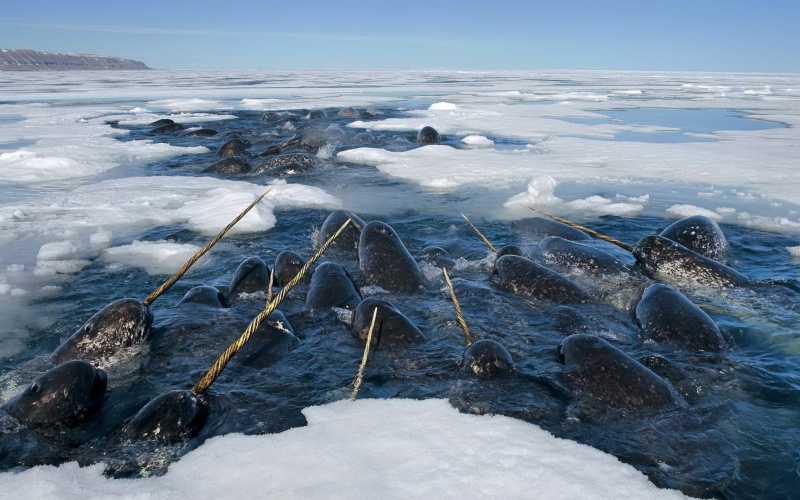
x: 215, y: 33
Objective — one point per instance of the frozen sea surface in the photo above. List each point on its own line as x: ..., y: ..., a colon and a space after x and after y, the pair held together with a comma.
x: 94, y: 207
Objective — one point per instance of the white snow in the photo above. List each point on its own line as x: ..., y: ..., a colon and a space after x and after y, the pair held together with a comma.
x: 600, y: 205
x: 681, y: 211
x: 393, y: 449
x: 540, y: 192
x: 443, y: 106
x: 477, y: 140
x: 156, y: 257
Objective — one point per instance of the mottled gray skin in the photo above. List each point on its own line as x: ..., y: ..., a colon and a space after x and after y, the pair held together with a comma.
x: 122, y: 324
x: 251, y: 276
x: 349, y: 113
x: 674, y: 263
x: 598, y: 263
x: 173, y: 416
x: 65, y: 394
x: 700, y: 234
x: 392, y: 328
x: 287, y: 164
x: 525, y: 277
x: 233, y: 147
x: 331, y: 286
x: 161, y: 122
x: 167, y: 128
x: 270, y: 116
x: 347, y: 242
x: 205, y: 295
x: 385, y: 261
x: 665, y: 315
x: 611, y: 376
x: 287, y: 265
x: 538, y: 228
x: 317, y: 114
x: 487, y: 359
x: 229, y: 165
x: 428, y: 135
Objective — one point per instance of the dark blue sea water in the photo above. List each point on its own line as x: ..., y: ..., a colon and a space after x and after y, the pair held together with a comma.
x: 735, y: 435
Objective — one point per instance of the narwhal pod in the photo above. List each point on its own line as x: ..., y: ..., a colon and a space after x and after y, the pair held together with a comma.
x: 392, y: 328
x: 331, y: 286
x: 486, y: 359
x: 173, y: 416
x: 385, y: 261
x: 673, y: 262
x: 65, y: 394
x: 700, y: 234
x: 251, y: 276
x: 665, y: 315
x: 609, y: 375
x: 525, y: 277
x: 347, y: 242
x: 125, y: 323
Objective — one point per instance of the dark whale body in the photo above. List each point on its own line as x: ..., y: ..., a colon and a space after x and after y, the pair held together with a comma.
x: 251, y: 276
x: 229, y: 165
x: 385, y: 261
x: 525, y: 277
x: 665, y: 315
x: 428, y: 135
x: 539, y: 228
x: 287, y: 265
x: 233, y: 147
x: 206, y: 295
x: 65, y: 394
x: 122, y: 324
x: 347, y: 242
x: 611, y: 376
x: 287, y: 164
x: 673, y: 262
x: 487, y: 359
x: 173, y: 416
x: 331, y: 286
x: 392, y: 328
x: 700, y: 234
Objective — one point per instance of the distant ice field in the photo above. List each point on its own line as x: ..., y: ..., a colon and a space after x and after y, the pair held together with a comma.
x: 88, y: 195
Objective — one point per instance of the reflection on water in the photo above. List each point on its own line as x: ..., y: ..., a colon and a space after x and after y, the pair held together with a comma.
x: 689, y: 122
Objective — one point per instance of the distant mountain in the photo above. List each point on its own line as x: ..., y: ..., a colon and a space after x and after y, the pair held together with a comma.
x: 31, y: 60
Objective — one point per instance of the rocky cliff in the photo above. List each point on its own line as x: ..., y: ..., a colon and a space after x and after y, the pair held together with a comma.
x: 31, y: 60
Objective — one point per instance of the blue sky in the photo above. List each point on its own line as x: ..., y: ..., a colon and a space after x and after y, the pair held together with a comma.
x: 697, y: 35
